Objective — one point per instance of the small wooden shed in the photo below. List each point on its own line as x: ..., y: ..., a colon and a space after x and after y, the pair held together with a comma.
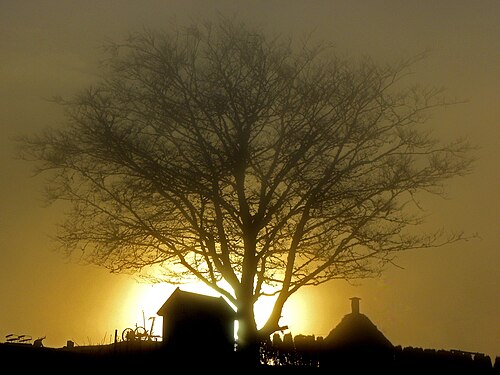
x: 197, y: 323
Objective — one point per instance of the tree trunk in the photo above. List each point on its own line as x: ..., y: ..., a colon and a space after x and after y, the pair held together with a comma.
x: 248, y: 335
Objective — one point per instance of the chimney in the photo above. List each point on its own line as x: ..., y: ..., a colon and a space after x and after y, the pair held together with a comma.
x: 355, y: 305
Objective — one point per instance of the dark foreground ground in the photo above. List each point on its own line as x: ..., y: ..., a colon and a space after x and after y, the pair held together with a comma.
x: 150, y: 357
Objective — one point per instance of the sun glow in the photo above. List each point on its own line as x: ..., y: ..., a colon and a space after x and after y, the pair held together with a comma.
x: 262, y: 309
x: 144, y: 300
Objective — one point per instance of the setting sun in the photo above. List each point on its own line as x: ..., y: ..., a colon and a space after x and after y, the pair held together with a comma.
x: 328, y: 149
x: 142, y: 304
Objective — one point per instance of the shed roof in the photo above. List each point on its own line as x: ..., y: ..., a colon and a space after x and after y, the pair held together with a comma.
x: 181, y: 299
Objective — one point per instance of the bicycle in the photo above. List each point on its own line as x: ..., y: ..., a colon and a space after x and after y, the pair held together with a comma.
x: 140, y: 332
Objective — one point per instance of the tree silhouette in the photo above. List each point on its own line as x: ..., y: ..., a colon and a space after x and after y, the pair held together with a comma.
x: 256, y: 164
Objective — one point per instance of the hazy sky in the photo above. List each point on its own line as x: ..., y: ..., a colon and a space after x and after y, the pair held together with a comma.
x: 441, y: 298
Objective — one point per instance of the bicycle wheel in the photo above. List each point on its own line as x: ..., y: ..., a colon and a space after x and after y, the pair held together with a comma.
x: 141, y: 333
x: 128, y: 334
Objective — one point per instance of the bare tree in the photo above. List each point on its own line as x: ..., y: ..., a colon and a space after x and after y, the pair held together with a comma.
x: 257, y: 165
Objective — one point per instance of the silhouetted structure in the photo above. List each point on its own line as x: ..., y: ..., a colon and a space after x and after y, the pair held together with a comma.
x: 357, y: 346
x: 356, y: 338
x: 198, y: 334
x: 197, y: 323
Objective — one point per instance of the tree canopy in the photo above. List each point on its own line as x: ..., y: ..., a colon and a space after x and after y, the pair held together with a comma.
x: 255, y: 164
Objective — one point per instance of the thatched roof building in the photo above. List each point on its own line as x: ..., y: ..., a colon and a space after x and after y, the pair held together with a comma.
x: 356, y: 341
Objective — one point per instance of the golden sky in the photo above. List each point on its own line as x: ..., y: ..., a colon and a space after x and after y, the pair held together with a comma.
x: 442, y: 298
